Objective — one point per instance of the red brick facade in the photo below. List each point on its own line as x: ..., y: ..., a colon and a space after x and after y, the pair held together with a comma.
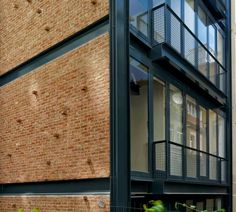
x: 55, y: 120
x: 90, y: 203
x: 27, y: 27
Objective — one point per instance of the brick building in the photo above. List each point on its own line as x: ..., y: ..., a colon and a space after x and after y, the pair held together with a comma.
x: 105, y: 105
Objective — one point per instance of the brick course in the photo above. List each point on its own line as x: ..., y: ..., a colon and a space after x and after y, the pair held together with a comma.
x: 29, y: 27
x: 54, y: 203
x: 55, y: 120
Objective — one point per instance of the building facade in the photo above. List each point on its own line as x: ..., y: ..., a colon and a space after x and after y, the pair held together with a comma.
x: 106, y: 105
x: 180, y: 100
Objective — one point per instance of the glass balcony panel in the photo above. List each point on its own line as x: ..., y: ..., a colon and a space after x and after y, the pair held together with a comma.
x: 222, y: 78
x: 223, y: 170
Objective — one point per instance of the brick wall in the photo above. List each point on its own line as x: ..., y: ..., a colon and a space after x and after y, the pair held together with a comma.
x: 88, y: 203
x: 55, y: 120
x: 27, y: 27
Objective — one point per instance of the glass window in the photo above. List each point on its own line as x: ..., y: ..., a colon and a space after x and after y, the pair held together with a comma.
x: 203, y: 141
x: 212, y: 39
x: 221, y: 136
x: 212, y: 132
x: 220, y: 47
x: 159, y: 123
x: 176, y: 130
x: 158, y: 2
x: 159, y: 110
x: 202, y: 26
x: 139, y: 15
x: 212, y: 145
x: 176, y: 6
x: 176, y: 115
x: 191, y: 141
x: 189, y: 15
x: 139, y: 116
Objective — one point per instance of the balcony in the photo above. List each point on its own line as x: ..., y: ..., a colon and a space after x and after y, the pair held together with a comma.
x: 160, y: 28
x: 217, y: 8
x: 179, y: 162
x: 168, y: 28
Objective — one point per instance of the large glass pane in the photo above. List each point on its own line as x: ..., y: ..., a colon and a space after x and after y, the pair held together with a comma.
x: 139, y: 15
x: 176, y: 6
x: 157, y: 2
x: 191, y: 126
x: 202, y: 26
x: 159, y: 110
x: 221, y: 136
x: 139, y: 116
x: 191, y: 140
x: 220, y: 48
x: 212, y: 39
x: 203, y: 141
x: 212, y: 132
x: 212, y: 145
x: 189, y: 14
x: 176, y: 115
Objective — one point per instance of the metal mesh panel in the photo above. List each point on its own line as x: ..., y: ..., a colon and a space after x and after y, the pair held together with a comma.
x: 175, y: 33
x: 223, y: 170
x: 160, y: 150
x: 202, y: 60
x: 191, y: 163
x: 221, y: 78
x: 212, y: 69
x: 213, y: 168
x: 189, y: 47
x: 176, y: 160
x: 159, y: 25
x: 203, y: 165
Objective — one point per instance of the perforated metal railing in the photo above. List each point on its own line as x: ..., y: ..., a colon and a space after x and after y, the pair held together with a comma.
x: 168, y: 28
x: 173, y: 160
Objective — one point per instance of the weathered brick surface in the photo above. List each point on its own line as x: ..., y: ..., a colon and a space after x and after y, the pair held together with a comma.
x: 55, y: 120
x: 29, y: 27
x: 88, y: 203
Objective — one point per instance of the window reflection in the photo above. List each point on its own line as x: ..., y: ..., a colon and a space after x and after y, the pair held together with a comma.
x: 176, y: 116
x: 139, y: 15
x: 139, y: 116
x: 203, y: 141
x: 191, y: 140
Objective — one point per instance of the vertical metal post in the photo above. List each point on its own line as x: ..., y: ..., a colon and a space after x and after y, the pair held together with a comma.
x: 120, y: 107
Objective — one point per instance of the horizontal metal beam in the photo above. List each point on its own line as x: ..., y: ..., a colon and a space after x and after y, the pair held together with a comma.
x: 61, y: 48
x: 100, y: 185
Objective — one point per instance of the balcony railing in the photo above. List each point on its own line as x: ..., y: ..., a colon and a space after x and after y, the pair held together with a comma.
x: 168, y: 28
x: 176, y: 161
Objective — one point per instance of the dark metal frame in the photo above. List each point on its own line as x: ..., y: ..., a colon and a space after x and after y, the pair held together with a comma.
x: 119, y: 96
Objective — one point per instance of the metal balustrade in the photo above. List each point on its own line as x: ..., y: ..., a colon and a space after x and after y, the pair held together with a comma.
x: 173, y: 160
x: 168, y: 28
